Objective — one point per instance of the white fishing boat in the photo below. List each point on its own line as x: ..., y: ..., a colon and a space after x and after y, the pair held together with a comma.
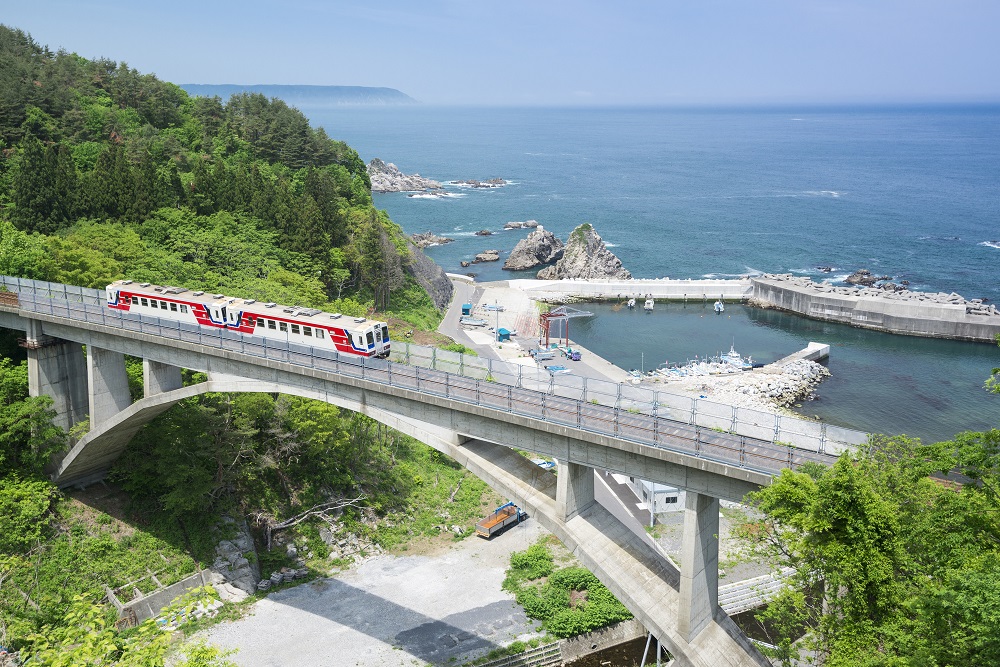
x: 648, y: 306
x: 720, y: 307
x: 733, y: 358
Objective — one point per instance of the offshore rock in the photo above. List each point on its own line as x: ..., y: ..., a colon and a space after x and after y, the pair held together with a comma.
x: 537, y: 248
x: 584, y: 257
x: 429, y: 275
x: 521, y: 224
x: 865, y: 278
x: 388, y: 178
x: 487, y: 256
x: 427, y: 239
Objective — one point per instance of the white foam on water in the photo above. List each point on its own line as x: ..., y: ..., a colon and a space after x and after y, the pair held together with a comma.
x: 834, y: 194
x: 990, y: 244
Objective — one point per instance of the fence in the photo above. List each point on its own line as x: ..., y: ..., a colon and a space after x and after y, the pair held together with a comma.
x: 713, y: 431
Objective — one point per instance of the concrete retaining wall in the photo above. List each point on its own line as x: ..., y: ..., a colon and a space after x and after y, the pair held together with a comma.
x: 598, y: 640
x: 920, y: 318
x: 150, y: 605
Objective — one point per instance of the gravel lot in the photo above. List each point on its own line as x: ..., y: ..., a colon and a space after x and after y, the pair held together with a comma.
x: 438, y: 608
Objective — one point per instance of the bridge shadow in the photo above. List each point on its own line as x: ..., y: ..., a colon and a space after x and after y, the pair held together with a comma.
x: 453, y: 639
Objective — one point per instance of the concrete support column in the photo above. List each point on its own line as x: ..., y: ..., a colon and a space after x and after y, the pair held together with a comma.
x: 158, y: 378
x: 108, y: 384
x: 574, y: 488
x: 699, y: 585
x: 56, y: 368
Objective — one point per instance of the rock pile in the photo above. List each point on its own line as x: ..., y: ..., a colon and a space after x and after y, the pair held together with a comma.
x: 584, y: 257
x: 768, y: 389
x: 539, y: 247
x: 233, y: 574
x: 388, y: 178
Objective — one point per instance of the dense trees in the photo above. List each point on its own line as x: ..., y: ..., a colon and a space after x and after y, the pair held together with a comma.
x: 895, y: 553
x: 85, y: 141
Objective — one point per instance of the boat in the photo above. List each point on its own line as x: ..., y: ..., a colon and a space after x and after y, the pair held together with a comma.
x: 734, y: 358
x: 648, y: 306
x: 719, y: 306
x: 471, y: 321
x: 631, y: 304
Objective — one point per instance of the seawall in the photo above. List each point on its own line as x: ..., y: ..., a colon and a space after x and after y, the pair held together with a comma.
x: 907, y: 313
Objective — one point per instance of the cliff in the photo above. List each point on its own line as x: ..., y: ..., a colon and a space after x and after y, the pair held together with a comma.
x: 430, y: 276
x: 386, y: 177
x: 584, y: 257
x: 537, y: 248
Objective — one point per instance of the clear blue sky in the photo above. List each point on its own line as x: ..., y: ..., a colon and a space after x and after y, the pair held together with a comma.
x: 551, y: 51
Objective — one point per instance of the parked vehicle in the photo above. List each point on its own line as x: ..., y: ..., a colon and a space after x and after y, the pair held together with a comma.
x: 542, y: 355
x: 505, y: 515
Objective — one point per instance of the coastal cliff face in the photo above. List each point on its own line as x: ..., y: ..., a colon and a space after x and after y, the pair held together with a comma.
x: 537, y: 248
x: 388, y: 178
x: 430, y: 276
x: 585, y: 256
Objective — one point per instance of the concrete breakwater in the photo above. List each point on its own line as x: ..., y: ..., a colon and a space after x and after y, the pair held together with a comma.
x: 903, y: 312
x: 933, y: 315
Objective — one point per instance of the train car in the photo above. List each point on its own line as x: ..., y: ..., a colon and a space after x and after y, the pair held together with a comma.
x: 305, y: 326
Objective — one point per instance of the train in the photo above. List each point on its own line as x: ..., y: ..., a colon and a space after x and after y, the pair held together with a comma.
x: 295, y: 324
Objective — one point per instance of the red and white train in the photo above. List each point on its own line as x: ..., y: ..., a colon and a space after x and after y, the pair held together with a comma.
x: 305, y: 326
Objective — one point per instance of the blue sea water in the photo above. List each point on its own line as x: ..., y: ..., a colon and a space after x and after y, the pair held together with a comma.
x: 913, y: 193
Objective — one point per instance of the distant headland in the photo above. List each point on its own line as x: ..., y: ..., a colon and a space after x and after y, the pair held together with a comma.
x: 312, y: 96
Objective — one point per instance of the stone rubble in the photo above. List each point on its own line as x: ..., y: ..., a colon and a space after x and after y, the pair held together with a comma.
x: 770, y: 389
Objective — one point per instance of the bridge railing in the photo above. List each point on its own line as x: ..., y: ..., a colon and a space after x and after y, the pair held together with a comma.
x: 801, y: 433
x: 621, y: 411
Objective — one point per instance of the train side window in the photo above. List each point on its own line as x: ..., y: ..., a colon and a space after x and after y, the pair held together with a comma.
x: 295, y: 328
x: 271, y: 324
x: 371, y: 339
x: 260, y: 322
x: 173, y: 307
x: 144, y: 301
x: 307, y: 331
x: 319, y: 333
x: 163, y: 305
x: 282, y: 326
x: 184, y: 308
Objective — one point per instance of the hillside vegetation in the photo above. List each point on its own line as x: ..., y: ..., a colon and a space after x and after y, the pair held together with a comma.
x: 106, y: 173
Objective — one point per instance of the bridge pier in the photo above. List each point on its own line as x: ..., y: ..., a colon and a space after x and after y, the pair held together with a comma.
x: 158, y: 378
x: 107, y: 384
x: 699, y: 583
x: 574, y: 488
x: 57, y: 368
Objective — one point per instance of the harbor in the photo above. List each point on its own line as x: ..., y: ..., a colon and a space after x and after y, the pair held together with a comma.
x: 929, y: 388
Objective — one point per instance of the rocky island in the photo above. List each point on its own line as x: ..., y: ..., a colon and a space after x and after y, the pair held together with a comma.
x: 427, y: 239
x: 584, y: 257
x: 539, y: 247
x: 386, y: 177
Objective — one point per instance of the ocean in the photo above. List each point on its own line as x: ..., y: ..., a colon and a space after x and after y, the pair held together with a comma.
x: 913, y: 193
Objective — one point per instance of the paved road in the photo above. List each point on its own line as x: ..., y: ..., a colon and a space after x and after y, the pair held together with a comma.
x: 390, y: 611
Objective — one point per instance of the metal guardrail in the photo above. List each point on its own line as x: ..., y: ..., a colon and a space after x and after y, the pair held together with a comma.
x: 599, y: 407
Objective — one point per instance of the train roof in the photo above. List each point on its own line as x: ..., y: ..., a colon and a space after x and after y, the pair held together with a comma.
x: 314, y: 315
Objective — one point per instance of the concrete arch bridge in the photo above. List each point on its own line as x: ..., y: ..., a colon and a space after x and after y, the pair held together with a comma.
x: 476, y: 422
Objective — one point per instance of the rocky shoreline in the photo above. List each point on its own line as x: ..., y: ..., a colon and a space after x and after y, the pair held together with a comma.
x: 386, y: 177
